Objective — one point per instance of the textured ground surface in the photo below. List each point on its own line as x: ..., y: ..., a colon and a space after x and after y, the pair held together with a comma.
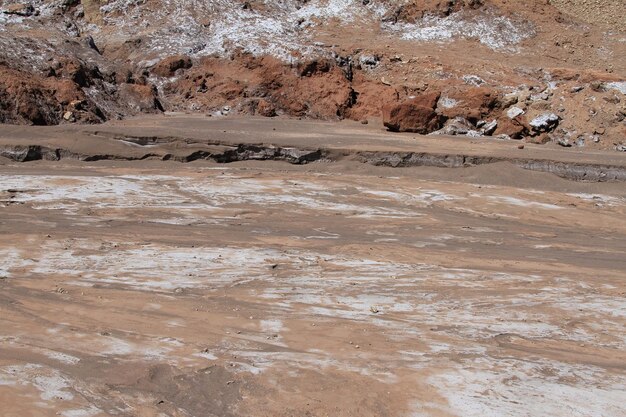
x: 154, y: 288
x: 92, y: 61
x: 603, y: 12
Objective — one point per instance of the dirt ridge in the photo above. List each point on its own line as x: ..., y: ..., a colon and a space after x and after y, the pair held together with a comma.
x: 590, y: 172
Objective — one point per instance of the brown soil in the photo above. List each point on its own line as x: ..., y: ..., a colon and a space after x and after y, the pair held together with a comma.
x: 608, y: 13
x: 335, y: 287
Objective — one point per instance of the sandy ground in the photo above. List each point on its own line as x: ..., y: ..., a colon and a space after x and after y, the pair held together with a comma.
x: 178, y: 135
x: 152, y: 288
x: 611, y: 13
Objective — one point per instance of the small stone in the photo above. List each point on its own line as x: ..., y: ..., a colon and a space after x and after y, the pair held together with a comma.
x: 540, y: 97
x: 489, y: 128
x: 514, y: 112
x: 454, y: 127
x: 364, y: 122
x: 540, y: 139
x: 598, y: 86
x: 509, y: 100
x: 474, y: 80
x: 68, y: 116
x: 369, y: 61
x: 521, y: 146
x: 564, y: 142
x: 77, y: 104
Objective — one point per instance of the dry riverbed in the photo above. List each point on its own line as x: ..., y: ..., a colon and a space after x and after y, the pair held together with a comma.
x: 334, y: 288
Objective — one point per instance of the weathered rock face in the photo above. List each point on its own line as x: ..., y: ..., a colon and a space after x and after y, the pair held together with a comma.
x: 42, y: 101
x: 265, y: 86
x: 169, y: 66
x: 265, y: 108
x: 370, y: 97
x: 71, y: 90
x: 473, y: 104
x: 515, y: 128
x: 414, y: 10
x: 140, y: 98
x: 416, y: 115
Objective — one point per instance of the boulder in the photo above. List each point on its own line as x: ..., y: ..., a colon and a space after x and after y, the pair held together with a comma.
x: 81, y: 73
x: 545, y: 122
x: 514, y: 128
x: 454, y: 127
x: 473, y: 103
x: 69, y: 116
x: 415, y: 115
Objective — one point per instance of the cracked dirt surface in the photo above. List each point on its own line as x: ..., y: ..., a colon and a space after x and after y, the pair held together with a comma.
x: 154, y: 288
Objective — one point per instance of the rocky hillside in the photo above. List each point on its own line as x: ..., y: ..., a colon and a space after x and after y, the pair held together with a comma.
x: 540, y: 71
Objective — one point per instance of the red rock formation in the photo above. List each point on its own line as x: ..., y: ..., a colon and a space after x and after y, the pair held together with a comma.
x: 415, y: 115
x: 473, y: 104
